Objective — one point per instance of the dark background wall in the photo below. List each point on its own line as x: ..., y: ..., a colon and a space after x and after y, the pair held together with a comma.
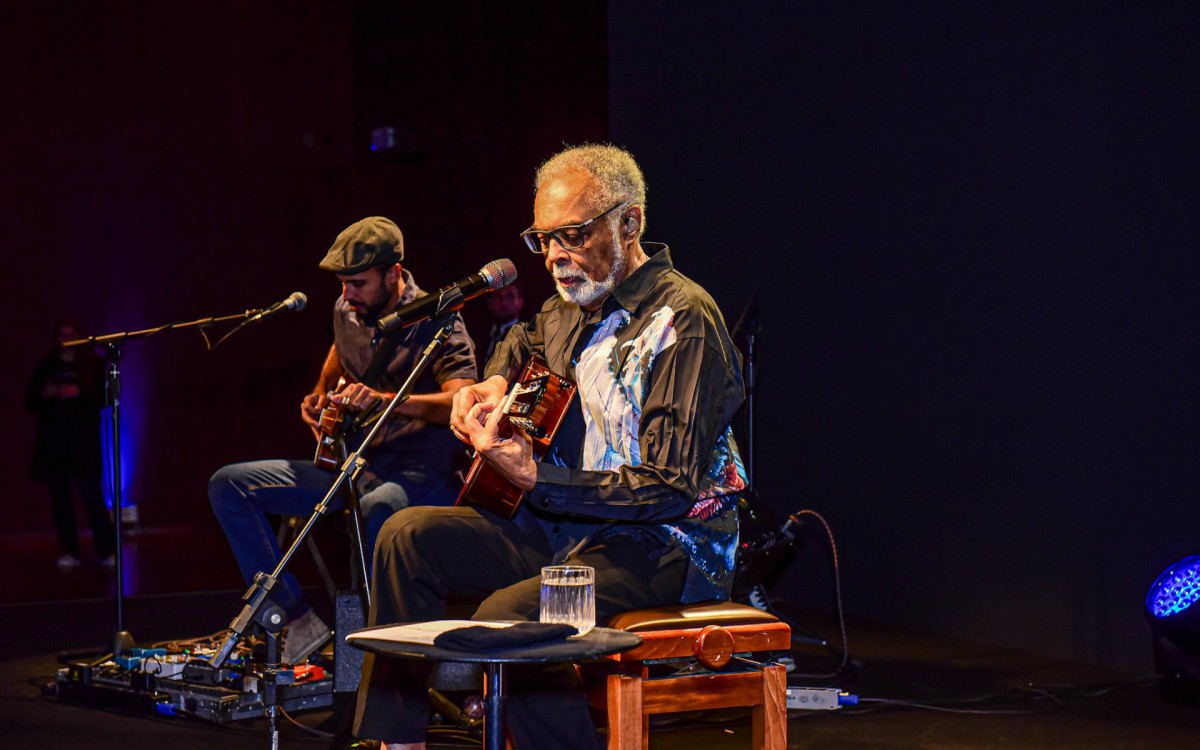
x: 162, y: 163
x: 972, y: 229
x: 166, y: 162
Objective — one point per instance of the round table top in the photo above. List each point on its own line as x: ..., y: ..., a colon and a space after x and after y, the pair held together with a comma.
x: 595, y: 644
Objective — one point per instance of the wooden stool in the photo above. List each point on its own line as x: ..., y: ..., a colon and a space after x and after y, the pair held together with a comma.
x: 717, y: 638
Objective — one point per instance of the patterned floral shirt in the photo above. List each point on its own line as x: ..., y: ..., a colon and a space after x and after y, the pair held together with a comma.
x: 651, y: 455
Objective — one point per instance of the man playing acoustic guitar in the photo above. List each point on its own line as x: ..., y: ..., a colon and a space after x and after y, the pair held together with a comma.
x: 641, y: 482
x: 413, y: 460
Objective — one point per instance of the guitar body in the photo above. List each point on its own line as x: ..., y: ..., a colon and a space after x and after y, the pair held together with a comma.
x: 330, y: 432
x: 537, y: 404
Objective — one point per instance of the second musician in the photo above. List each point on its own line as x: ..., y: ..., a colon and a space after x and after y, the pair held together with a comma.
x: 413, y: 459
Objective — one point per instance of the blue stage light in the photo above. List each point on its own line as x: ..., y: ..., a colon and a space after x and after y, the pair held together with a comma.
x: 1173, y: 611
x: 1176, y: 589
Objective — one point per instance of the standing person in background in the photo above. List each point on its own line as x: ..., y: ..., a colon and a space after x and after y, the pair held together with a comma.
x: 504, y: 306
x: 66, y: 394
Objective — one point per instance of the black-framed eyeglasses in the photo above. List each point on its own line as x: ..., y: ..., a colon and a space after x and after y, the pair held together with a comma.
x: 569, y: 237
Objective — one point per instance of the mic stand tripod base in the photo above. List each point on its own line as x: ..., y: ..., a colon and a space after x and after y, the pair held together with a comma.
x: 271, y: 619
x: 122, y: 642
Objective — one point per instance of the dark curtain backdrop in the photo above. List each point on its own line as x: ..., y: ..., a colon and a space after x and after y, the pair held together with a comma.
x: 973, y: 228
x: 168, y: 161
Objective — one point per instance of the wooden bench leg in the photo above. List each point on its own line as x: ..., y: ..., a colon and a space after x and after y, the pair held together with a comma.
x: 770, y: 716
x: 628, y: 725
x: 629, y: 720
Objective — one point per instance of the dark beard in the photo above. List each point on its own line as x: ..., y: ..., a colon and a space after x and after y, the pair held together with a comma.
x: 371, y: 314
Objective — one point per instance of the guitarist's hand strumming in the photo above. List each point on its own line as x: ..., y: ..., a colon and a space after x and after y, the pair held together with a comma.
x: 511, y: 455
x: 510, y: 432
x: 490, y: 391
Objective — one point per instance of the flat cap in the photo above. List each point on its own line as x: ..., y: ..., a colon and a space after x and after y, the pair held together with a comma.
x: 373, y: 241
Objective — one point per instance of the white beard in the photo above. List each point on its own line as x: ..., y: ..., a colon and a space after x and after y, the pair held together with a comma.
x: 587, y: 291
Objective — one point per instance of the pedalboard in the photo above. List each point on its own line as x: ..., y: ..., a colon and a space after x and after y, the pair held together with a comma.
x: 182, y: 683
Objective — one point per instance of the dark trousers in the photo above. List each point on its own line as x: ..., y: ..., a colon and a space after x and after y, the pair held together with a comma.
x: 425, y: 555
x: 62, y: 508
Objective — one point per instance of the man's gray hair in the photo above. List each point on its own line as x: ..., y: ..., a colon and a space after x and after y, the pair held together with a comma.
x: 617, y: 175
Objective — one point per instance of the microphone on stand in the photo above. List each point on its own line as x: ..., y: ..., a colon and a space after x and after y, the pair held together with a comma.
x: 495, y: 275
x: 295, y: 302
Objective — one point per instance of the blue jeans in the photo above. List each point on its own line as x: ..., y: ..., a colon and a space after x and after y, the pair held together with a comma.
x: 243, y: 494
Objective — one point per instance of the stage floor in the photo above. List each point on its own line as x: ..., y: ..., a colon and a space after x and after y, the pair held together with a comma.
x: 916, y: 690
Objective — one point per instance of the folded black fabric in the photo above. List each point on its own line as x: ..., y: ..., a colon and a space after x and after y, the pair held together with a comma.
x: 480, y: 638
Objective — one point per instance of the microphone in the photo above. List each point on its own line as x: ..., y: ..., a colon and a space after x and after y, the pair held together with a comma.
x: 296, y: 301
x: 493, y: 276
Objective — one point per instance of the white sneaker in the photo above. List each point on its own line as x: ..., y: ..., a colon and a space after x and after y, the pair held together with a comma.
x: 68, y: 562
x: 303, y: 636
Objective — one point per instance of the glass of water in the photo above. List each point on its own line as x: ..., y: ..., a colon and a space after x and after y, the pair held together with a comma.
x: 569, y: 595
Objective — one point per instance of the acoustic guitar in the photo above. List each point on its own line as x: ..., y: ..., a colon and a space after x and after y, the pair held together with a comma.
x: 536, y: 405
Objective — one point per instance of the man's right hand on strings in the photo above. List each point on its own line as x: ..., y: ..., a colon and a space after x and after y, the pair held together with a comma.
x: 490, y: 392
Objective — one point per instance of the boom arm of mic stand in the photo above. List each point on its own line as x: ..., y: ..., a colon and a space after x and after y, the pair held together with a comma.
x: 257, y: 595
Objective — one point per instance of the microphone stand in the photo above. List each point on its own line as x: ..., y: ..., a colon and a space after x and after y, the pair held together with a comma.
x: 751, y: 392
x: 759, y: 553
x: 745, y: 332
x: 258, y: 595
x: 122, y: 640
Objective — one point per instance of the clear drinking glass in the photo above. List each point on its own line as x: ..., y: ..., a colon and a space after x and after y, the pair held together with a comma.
x: 569, y: 595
